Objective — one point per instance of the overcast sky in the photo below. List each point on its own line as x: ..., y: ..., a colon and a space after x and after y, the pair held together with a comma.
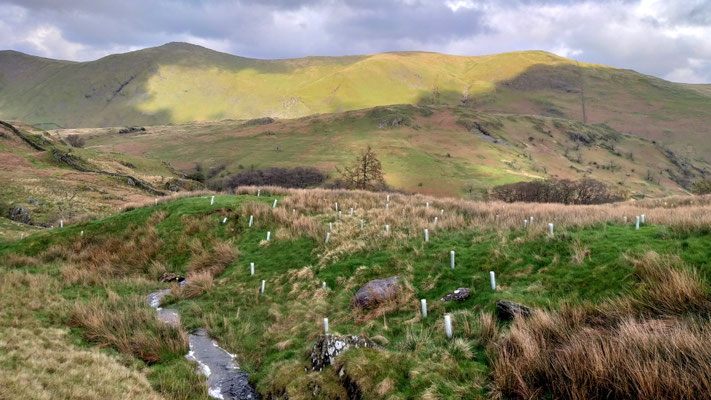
x: 669, y: 39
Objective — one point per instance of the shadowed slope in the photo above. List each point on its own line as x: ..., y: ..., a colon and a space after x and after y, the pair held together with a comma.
x: 179, y: 82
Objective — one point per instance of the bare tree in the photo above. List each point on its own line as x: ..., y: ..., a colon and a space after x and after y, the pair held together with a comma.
x: 66, y: 200
x: 75, y: 140
x: 364, y: 173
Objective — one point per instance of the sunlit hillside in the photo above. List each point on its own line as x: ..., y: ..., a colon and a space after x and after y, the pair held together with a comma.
x: 179, y: 82
x: 437, y: 150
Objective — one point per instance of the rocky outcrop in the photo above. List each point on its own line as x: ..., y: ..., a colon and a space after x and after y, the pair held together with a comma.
x: 259, y: 121
x: 132, y: 129
x: 507, y: 310
x: 80, y: 165
x: 376, y: 291
x: 20, y: 214
x: 32, y: 143
x: 328, y: 347
x: 460, y: 295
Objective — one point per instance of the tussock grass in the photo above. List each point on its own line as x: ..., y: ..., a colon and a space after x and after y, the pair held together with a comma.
x: 44, y: 362
x: 649, y: 344
x: 407, y: 216
x: 204, y: 267
x: 198, y: 284
x: 164, y: 199
x: 272, y: 332
x: 214, y: 261
x: 40, y: 361
x: 128, y: 254
x: 13, y: 260
x: 130, y: 326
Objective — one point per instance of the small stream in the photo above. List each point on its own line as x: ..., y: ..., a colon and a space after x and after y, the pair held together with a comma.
x: 224, y: 379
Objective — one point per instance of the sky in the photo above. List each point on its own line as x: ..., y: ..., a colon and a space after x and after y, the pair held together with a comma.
x: 669, y: 39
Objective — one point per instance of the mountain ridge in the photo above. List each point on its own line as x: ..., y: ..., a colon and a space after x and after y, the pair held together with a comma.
x: 180, y: 82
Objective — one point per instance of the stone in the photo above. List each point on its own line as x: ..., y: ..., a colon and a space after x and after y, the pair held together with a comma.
x: 376, y: 291
x: 460, y: 295
x: 328, y: 347
x: 130, y: 182
x: 32, y: 201
x: 171, y: 277
x: 20, y: 214
x: 507, y: 310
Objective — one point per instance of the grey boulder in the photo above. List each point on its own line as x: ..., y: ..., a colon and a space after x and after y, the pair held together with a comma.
x: 376, y: 291
x: 328, y: 347
x: 507, y: 310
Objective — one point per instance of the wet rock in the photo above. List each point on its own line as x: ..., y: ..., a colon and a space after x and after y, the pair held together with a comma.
x: 236, y: 386
x: 376, y: 291
x: 171, y: 277
x: 20, y: 214
x: 507, y: 310
x: 328, y: 347
x: 460, y: 294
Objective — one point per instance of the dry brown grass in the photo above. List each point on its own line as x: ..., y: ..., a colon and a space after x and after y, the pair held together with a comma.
x: 214, y: 261
x: 195, y: 224
x: 45, y: 366
x: 408, y: 216
x: 197, y: 284
x: 204, y: 267
x: 164, y: 199
x: 128, y: 325
x: 40, y: 362
x: 652, y: 344
x: 14, y: 260
x: 93, y: 260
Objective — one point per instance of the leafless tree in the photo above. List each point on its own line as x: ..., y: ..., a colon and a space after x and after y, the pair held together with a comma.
x: 75, y: 140
x: 66, y: 200
x: 365, y: 172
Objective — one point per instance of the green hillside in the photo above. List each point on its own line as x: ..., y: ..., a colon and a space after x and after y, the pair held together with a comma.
x: 53, y: 181
x: 178, y: 83
x: 640, y: 295
x: 437, y: 150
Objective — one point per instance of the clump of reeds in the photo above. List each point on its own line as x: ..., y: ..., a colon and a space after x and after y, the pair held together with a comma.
x: 650, y: 344
x: 128, y: 325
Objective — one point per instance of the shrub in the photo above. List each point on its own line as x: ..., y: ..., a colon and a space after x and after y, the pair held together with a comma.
x: 75, y: 140
x: 299, y: 177
x: 197, y: 174
x: 586, y: 191
x: 702, y: 186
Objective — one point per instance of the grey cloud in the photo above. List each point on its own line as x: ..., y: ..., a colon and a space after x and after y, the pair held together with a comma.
x: 295, y: 28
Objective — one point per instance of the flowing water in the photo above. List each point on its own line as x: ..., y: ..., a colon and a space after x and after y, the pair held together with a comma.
x: 224, y: 379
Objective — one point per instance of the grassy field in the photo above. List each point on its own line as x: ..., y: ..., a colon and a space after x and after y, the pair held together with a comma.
x: 433, y: 150
x: 179, y: 82
x: 598, y: 276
